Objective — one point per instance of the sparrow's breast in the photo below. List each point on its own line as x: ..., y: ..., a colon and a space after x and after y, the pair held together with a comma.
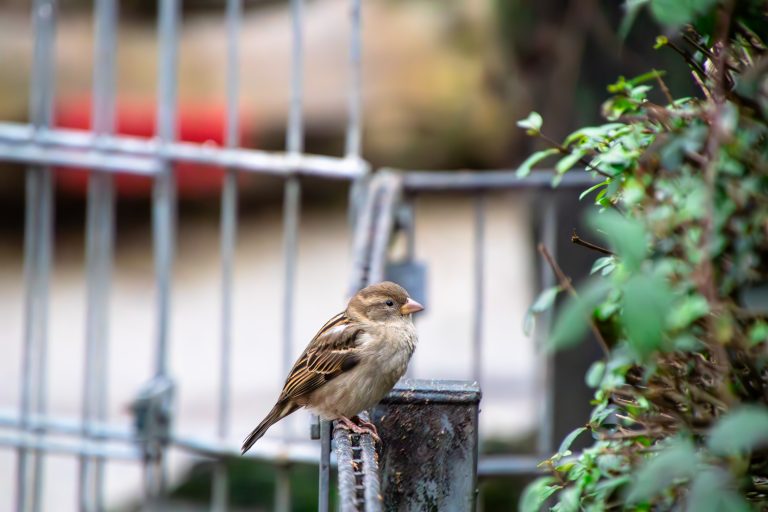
x: 384, y: 358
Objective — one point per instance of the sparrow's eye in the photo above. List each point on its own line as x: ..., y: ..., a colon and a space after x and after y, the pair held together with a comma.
x: 390, y: 303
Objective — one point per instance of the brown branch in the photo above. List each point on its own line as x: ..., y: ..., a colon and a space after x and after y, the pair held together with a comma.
x: 631, y: 434
x: 565, y: 283
x: 664, y: 88
x: 576, y: 239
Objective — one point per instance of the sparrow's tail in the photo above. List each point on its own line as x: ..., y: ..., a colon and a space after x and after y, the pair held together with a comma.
x: 278, y: 412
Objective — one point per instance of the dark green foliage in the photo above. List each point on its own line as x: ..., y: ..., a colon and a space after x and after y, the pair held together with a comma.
x: 251, y: 485
x: 680, y: 419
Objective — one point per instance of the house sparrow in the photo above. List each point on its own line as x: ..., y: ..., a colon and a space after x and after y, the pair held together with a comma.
x: 352, y: 362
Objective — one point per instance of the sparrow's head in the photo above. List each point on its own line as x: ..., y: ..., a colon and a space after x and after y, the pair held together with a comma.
x: 381, y: 302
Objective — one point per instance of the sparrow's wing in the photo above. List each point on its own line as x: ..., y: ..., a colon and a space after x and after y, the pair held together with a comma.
x: 333, y: 351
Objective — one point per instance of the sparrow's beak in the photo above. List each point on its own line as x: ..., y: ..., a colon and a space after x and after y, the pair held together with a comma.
x: 410, y: 307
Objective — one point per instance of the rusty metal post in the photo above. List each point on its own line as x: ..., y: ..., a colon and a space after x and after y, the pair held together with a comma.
x: 429, y: 432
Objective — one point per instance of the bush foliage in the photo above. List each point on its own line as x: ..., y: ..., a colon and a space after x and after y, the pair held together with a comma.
x: 680, y: 418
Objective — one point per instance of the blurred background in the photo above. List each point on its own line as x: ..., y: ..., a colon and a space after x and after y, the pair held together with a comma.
x: 444, y: 84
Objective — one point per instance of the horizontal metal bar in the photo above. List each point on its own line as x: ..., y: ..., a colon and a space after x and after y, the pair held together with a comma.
x: 102, y: 149
x: 37, y: 423
x: 440, y: 181
x: 505, y: 465
x: 25, y: 153
x: 278, y: 451
x: 86, y: 448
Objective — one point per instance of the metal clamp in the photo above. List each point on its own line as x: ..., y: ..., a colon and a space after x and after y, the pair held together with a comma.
x: 153, y: 414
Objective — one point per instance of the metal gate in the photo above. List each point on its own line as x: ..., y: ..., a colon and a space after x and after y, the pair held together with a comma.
x: 382, y: 206
x: 40, y: 146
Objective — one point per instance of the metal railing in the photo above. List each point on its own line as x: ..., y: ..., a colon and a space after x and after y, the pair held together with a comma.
x: 40, y: 146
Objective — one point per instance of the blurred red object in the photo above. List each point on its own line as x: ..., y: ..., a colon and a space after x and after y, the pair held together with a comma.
x: 204, y: 124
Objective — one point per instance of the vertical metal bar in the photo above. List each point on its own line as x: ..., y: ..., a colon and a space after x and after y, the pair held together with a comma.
x: 548, y: 236
x: 220, y: 498
x: 353, y: 143
x: 291, y: 213
x: 479, y: 287
x: 164, y: 205
x: 354, y: 96
x: 99, y: 250
x: 324, y: 487
x: 37, y: 259
x: 295, y: 136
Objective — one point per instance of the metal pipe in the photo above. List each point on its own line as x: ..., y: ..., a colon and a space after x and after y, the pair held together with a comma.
x: 138, y: 155
x: 38, y: 248
x: 85, y: 448
x: 220, y: 494
x: 164, y: 213
x: 99, y: 254
x: 54, y: 425
x: 353, y: 143
x: 32, y: 154
x: 479, y: 287
x: 508, y: 465
x: 324, y: 480
x: 346, y: 476
x: 444, y: 181
x: 371, y: 484
x: 545, y: 362
x: 291, y: 214
x: 295, y: 135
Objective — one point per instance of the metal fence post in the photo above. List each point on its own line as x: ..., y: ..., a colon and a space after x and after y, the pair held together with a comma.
x: 429, y: 432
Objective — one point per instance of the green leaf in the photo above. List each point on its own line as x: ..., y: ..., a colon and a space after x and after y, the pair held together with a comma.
x: 661, y: 41
x: 712, y: 491
x: 593, y: 188
x: 741, y: 431
x: 569, y: 160
x: 569, y: 439
x: 543, y: 302
x: 646, y: 77
x: 536, y: 493
x: 672, y: 12
x: 595, y: 374
x: 525, y: 168
x: 687, y: 311
x: 573, y: 319
x: 758, y: 333
x: 625, y: 236
x: 532, y: 123
x: 601, y: 263
x: 677, y: 461
x: 545, y: 299
x: 646, y: 303
x: 632, y: 8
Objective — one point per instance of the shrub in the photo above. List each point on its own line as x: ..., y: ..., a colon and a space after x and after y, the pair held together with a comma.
x: 680, y: 418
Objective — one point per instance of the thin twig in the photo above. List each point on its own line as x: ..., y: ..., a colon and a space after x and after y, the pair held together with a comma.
x: 576, y: 239
x: 664, y: 88
x: 705, y: 51
x: 631, y: 434
x: 565, y: 283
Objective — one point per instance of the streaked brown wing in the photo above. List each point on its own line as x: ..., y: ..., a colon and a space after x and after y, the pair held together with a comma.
x: 331, y: 352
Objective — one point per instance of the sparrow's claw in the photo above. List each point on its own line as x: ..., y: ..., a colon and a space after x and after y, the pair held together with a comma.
x: 366, y: 425
x: 364, y: 428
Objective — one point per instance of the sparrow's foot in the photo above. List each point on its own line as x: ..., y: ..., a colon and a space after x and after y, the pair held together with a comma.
x: 364, y: 428
x: 366, y: 425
